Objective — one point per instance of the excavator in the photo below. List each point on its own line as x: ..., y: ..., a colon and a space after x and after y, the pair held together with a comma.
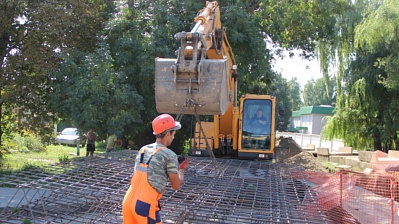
x: 202, y: 80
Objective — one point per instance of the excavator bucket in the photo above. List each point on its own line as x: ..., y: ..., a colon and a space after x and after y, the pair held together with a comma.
x: 207, y: 89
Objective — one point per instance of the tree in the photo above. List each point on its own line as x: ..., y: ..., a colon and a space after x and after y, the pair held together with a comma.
x: 315, y: 93
x: 365, y: 116
x: 247, y: 39
x: 337, y: 51
x: 380, y: 32
x: 297, y: 24
x: 377, y: 38
x: 359, y: 122
x: 295, y: 94
x: 95, y: 95
x: 118, y: 80
x: 288, y: 97
x: 33, y: 34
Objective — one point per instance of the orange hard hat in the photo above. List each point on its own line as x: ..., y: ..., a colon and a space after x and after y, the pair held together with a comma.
x: 164, y: 122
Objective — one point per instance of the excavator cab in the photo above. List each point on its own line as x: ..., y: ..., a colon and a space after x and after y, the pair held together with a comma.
x: 257, y: 134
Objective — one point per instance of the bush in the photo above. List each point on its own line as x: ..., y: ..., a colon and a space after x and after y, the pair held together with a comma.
x: 29, y: 142
x: 64, y: 159
x: 17, y: 141
x: 5, y: 146
x: 29, y: 166
x: 34, y: 144
x: 186, y: 146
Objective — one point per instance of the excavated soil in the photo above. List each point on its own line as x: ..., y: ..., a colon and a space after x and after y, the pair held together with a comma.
x: 307, y: 161
x: 290, y: 153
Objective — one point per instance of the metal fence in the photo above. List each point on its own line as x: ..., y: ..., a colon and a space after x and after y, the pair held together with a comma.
x: 304, y: 139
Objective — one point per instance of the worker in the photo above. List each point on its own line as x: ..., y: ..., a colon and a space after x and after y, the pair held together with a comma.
x: 259, y: 124
x: 111, y: 143
x: 155, y: 166
x: 259, y: 119
x: 91, y: 142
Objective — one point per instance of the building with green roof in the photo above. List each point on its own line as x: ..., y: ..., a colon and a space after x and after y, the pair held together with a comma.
x: 310, y: 119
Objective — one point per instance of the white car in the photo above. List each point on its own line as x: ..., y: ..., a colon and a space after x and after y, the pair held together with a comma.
x: 70, y: 136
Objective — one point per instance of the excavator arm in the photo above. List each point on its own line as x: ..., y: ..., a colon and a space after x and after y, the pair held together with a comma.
x: 203, y: 77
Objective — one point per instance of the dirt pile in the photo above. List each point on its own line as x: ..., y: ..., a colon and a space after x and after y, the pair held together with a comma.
x: 286, y: 148
x: 289, y: 152
x: 307, y: 161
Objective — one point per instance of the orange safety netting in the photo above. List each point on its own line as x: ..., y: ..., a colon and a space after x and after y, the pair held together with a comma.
x: 359, y: 197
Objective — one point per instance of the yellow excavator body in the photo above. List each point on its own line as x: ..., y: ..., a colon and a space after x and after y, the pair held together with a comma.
x: 202, y: 80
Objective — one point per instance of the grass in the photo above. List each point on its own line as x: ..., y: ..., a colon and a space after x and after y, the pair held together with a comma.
x: 330, y: 167
x: 20, y: 161
x: 333, y: 169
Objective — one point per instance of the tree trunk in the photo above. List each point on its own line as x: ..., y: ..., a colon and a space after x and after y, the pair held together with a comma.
x: 377, y: 140
x: 1, y: 130
x: 396, y: 140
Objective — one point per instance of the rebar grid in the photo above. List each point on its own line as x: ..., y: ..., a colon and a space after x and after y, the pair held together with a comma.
x: 91, y: 190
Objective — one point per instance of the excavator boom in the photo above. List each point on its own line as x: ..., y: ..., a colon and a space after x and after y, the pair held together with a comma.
x: 200, y: 79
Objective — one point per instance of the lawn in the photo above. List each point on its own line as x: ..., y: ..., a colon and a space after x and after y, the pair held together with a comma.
x: 23, y: 160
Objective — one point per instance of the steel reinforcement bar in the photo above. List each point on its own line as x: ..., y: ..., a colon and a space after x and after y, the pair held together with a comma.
x: 91, y: 190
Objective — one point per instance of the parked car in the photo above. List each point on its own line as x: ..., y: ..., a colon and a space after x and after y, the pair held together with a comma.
x: 70, y: 136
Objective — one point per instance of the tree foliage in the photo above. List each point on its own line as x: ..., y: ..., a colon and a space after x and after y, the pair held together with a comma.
x: 295, y: 94
x: 95, y: 95
x: 287, y: 98
x: 359, y: 121
x: 297, y: 24
x: 379, y: 32
x: 315, y: 93
x: 33, y: 34
x: 367, y: 73
x: 103, y: 77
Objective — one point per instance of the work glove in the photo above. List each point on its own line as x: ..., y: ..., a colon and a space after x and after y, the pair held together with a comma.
x: 183, y: 161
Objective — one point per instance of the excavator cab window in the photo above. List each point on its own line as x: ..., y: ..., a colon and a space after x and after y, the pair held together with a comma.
x: 256, y: 124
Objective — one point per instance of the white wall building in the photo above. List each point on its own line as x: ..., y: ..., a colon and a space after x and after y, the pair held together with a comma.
x: 310, y: 119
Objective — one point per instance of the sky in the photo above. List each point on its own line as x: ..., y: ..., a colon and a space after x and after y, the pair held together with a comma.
x: 302, y: 69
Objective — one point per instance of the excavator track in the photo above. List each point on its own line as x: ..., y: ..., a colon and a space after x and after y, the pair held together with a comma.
x: 91, y: 190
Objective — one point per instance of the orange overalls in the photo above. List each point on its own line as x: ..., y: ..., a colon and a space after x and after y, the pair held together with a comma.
x: 141, y: 202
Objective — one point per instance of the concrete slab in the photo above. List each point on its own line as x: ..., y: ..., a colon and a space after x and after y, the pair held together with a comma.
x: 343, y: 167
x: 393, y: 153
x: 365, y: 156
x: 323, y: 151
x: 340, y: 159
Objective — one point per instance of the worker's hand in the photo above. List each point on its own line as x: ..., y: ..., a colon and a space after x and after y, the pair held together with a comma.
x: 183, y: 161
